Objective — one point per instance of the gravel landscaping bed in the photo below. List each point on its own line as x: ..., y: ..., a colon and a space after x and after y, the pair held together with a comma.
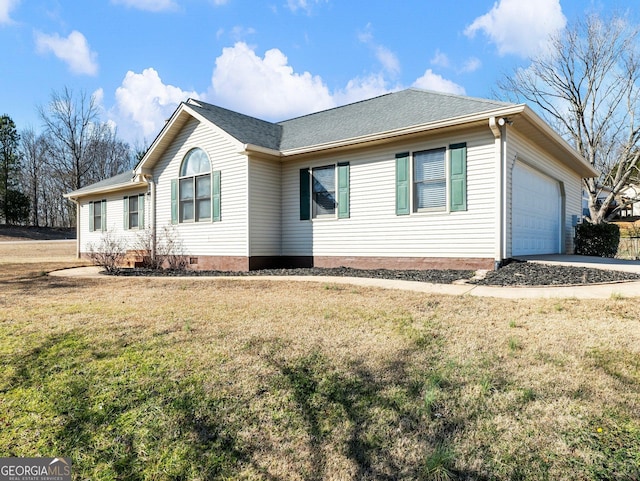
x: 433, y: 276
x: 515, y: 273
x: 519, y: 273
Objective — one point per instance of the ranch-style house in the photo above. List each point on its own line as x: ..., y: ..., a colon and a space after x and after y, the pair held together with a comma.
x: 407, y: 180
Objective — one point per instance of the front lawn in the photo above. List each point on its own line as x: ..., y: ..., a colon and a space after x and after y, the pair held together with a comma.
x: 222, y: 379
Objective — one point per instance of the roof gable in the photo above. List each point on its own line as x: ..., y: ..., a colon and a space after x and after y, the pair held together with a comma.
x: 246, y: 129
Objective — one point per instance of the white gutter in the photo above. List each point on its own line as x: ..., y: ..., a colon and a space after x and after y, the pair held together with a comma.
x: 103, y: 190
x: 256, y: 149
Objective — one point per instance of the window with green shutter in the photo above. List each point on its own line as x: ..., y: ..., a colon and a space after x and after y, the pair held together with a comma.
x: 325, y: 192
x: 305, y: 194
x: 134, y: 211
x: 458, y: 177
x: 343, y: 190
x: 195, y: 194
x: 98, y: 216
x: 430, y: 181
x: 402, y: 184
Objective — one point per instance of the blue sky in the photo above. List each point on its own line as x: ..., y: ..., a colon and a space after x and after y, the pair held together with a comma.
x: 274, y: 59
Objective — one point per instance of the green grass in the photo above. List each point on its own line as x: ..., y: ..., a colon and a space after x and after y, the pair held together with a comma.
x: 151, y: 379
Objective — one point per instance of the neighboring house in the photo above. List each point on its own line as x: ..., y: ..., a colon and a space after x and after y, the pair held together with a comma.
x: 631, y: 193
x: 412, y: 179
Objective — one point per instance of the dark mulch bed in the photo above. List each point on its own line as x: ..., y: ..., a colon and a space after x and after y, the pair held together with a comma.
x: 513, y: 274
x: 433, y: 276
x: 518, y: 273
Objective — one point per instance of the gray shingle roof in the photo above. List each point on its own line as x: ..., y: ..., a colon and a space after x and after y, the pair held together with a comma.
x: 392, y: 111
x: 120, y: 179
x: 246, y: 129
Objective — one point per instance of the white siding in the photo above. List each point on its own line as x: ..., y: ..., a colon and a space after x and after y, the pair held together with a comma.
x: 115, y: 221
x: 374, y: 229
x: 265, y: 225
x: 229, y: 236
x: 524, y: 151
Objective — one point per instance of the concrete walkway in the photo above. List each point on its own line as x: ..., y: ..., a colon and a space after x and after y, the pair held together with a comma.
x: 590, y: 291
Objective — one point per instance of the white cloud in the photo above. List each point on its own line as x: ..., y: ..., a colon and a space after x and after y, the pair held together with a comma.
x: 305, y: 5
x: 5, y: 9
x: 362, y: 88
x: 386, y: 57
x: 471, y: 65
x: 520, y: 27
x: 73, y: 50
x: 433, y: 81
x: 144, y: 102
x: 148, y: 5
x: 265, y: 87
x: 440, y: 59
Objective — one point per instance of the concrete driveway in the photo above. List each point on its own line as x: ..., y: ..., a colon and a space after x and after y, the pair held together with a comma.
x: 585, y: 261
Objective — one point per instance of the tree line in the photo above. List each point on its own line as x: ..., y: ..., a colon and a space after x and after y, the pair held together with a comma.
x: 74, y: 149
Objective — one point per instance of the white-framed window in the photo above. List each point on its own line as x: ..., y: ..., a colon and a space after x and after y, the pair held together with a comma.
x: 194, y: 186
x: 432, y: 180
x: 429, y: 180
x: 323, y: 191
x: 98, y: 215
x: 134, y: 211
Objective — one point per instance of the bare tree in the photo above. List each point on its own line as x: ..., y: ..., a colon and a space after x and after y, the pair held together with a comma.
x: 587, y: 87
x: 70, y: 123
x: 109, y: 155
x: 33, y: 148
x: 81, y: 149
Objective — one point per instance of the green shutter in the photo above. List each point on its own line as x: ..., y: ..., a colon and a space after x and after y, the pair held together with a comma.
x: 402, y: 184
x: 90, y: 216
x: 141, y: 198
x: 174, y: 201
x: 458, y: 177
x: 305, y: 194
x: 103, y: 225
x: 343, y: 190
x: 215, y: 195
x: 125, y: 202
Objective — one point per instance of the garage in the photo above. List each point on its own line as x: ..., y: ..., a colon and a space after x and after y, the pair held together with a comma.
x: 536, y: 212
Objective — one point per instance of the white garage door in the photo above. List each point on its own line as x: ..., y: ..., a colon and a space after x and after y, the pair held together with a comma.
x: 536, y: 212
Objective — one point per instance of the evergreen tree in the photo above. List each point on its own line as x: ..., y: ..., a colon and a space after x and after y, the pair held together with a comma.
x: 9, y: 172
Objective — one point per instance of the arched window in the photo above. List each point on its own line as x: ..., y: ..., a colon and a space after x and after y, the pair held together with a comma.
x: 195, y: 187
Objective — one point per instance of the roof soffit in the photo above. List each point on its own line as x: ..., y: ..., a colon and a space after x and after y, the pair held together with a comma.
x: 538, y: 131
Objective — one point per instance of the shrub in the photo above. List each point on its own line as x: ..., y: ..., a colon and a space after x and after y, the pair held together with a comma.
x: 108, y: 253
x: 600, y: 240
x: 169, y: 250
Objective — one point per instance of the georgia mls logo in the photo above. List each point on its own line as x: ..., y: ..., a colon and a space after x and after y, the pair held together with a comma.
x: 35, y: 469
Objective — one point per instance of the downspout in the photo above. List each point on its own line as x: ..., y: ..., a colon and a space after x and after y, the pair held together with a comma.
x: 78, y: 230
x: 497, y: 131
x: 152, y: 213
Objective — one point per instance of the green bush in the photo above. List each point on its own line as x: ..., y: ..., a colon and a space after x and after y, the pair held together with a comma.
x: 597, y: 239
